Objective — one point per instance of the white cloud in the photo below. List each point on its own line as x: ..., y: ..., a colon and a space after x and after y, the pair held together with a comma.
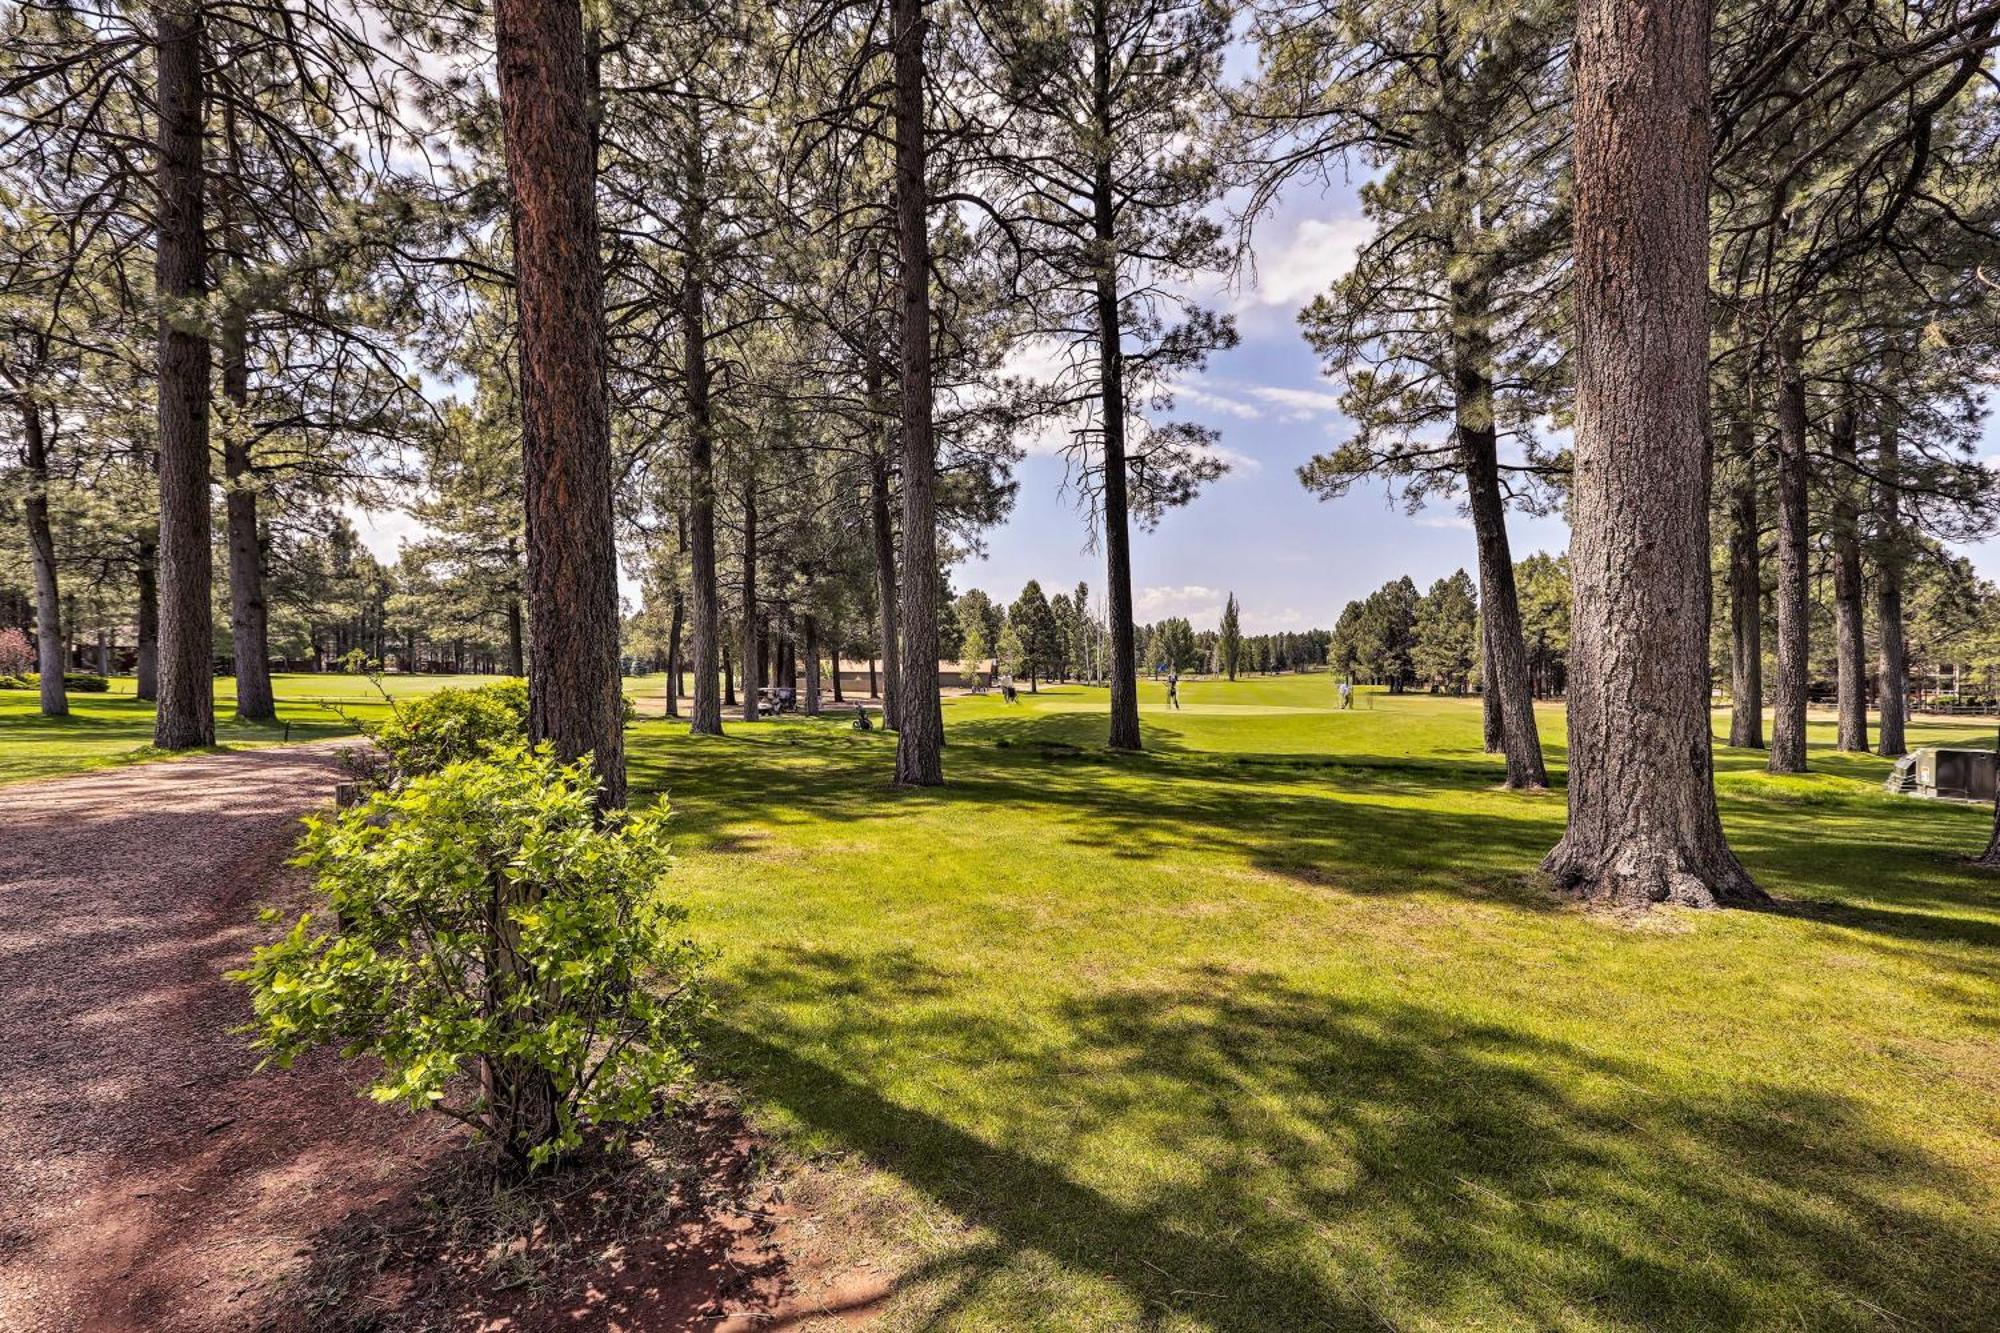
x: 1444, y: 521
x: 1272, y: 622
x: 1216, y: 402
x: 1202, y: 606
x: 1298, y: 404
x: 1292, y: 271
x: 383, y: 531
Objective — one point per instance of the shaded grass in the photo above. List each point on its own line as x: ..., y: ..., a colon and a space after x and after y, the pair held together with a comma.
x: 1271, y: 1028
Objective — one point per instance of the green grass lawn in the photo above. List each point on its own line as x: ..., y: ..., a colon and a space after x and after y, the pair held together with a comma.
x: 117, y: 727
x: 1270, y: 1028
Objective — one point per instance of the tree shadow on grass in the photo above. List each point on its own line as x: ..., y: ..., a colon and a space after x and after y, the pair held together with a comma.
x: 1359, y: 823
x: 1229, y: 1151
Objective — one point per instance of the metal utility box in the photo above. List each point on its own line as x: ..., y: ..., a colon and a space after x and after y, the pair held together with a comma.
x: 1945, y: 771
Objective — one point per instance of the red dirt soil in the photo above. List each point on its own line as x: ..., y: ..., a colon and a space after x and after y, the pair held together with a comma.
x: 153, y: 1180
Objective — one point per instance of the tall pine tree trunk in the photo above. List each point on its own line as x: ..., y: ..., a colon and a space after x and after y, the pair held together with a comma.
x: 753, y: 634
x: 1746, y: 597
x: 1849, y: 632
x: 705, y: 596
x: 1643, y: 825
x: 1788, y: 695
x: 674, y: 655
x: 146, y: 571
x: 1891, y: 553
x: 249, y: 619
x: 812, y: 666
x: 1111, y: 393
x: 186, y: 714
x: 885, y: 589
x: 919, y: 737
x: 42, y: 552
x: 573, y: 669
x: 1506, y: 668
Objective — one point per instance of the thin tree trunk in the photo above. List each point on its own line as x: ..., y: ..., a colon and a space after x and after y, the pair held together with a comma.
x: 812, y: 666
x: 919, y: 738
x: 838, y: 697
x: 705, y: 704
x: 1746, y: 598
x: 545, y: 102
x: 1891, y: 553
x: 728, y: 680
x: 674, y: 657
x: 1643, y: 825
x: 753, y: 630
x: 517, y: 659
x: 885, y: 589
x: 1493, y: 729
x: 1849, y: 632
x: 147, y: 573
x: 186, y: 715
x: 1788, y: 713
x: 1500, y: 608
x: 249, y: 631
x: 42, y: 550
x: 1111, y: 391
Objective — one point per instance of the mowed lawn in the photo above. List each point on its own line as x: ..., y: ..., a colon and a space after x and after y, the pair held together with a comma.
x: 117, y: 727
x: 1271, y: 1028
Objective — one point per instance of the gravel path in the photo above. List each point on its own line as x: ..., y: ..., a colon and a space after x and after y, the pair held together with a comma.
x: 150, y: 1180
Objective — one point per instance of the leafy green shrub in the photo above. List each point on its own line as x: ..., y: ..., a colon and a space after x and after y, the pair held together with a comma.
x: 430, y: 733
x: 16, y: 682
x: 503, y: 953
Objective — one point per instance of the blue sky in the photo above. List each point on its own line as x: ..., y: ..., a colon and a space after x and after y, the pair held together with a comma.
x: 1292, y: 561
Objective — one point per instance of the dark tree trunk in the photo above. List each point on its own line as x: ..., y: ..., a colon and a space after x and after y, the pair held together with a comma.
x: 885, y: 590
x: 516, y: 660
x: 674, y: 658
x: 186, y: 714
x: 753, y: 629
x: 1849, y: 632
x: 728, y: 680
x: 1500, y: 609
x: 788, y: 663
x: 812, y: 667
x: 1643, y: 825
x: 545, y: 105
x: 838, y: 697
x: 1111, y: 392
x: 919, y: 738
x: 705, y: 705
x: 1492, y: 729
x: 249, y: 632
x: 1788, y: 694
x: 885, y: 551
x: 42, y: 550
x: 1746, y: 598
x: 1889, y: 562
x: 147, y: 573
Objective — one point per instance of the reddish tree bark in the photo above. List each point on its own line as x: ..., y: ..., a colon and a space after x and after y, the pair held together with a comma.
x: 185, y: 718
x: 1849, y: 631
x: 1746, y: 600
x: 545, y: 100
x: 1643, y: 826
x: 919, y: 733
x: 42, y: 551
x: 1788, y: 692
